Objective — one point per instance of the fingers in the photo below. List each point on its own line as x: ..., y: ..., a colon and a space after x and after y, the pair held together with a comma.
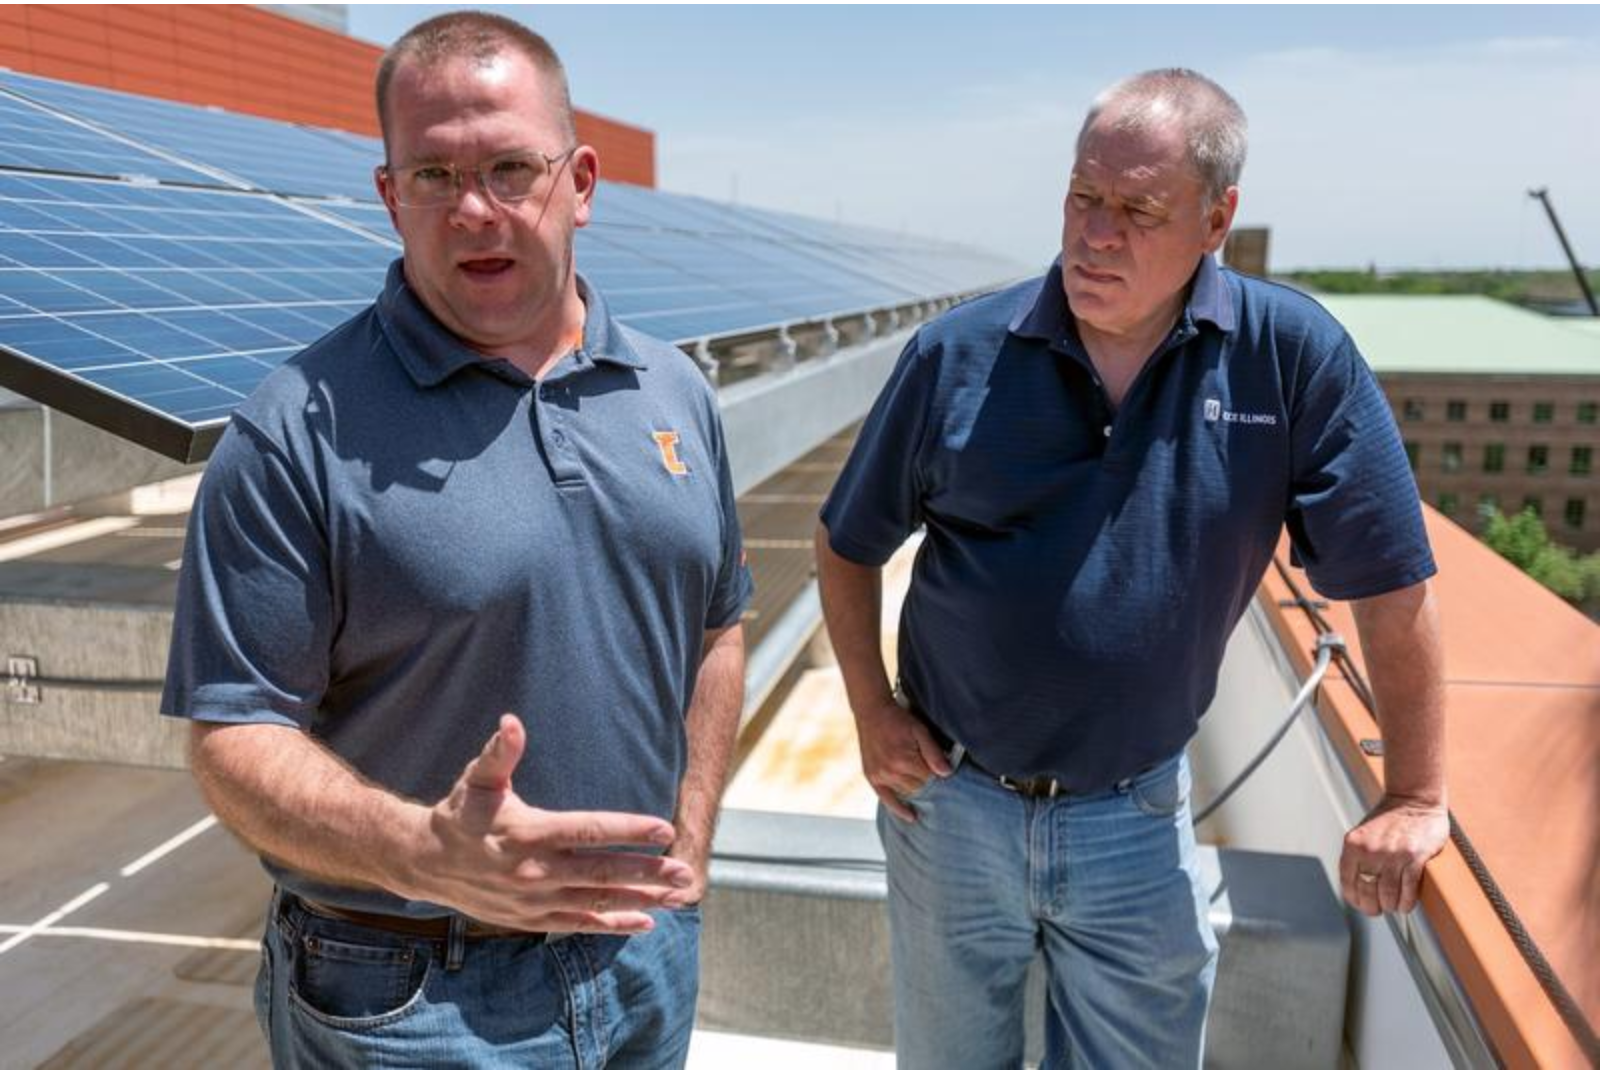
x: 568, y: 829
x: 602, y: 901
x: 1376, y: 881
x: 895, y: 805
x: 899, y: 755
x: 604, y: 869
x: 492, y: 769
x: 929, y: 750
x: 626, y: 923
x: 1411, y: 876
x: 1388, y: 888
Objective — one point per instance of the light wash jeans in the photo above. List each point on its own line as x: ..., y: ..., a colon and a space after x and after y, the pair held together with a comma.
x: 331, y: 994
x: 1104, y: 885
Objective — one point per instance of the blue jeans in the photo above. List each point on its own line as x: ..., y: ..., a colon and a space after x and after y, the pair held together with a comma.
x: 1104, y: 885
x: 333, y: 994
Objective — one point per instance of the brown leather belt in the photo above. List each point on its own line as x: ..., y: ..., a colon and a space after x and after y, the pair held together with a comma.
x: 430, y: 928
x: 1040, y: 787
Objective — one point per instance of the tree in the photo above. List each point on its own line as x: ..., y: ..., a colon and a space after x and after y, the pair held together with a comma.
x: 1523, y: 540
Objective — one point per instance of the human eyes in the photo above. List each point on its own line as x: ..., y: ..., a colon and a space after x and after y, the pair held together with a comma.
x: 516, y: 167
x: 431, y: 174
x: 1144, y: 216
x: 1082, y: 200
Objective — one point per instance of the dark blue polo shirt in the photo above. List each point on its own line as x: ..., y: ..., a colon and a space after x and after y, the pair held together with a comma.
x: 1083, y: 568
x: 398, y: 539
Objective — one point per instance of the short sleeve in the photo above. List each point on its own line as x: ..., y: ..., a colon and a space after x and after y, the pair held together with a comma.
x: 878, y: 502
x: 734, y: 585
x: 1354, y: 516
x: 254, y: 619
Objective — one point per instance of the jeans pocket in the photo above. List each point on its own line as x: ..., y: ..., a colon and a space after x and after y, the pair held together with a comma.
x: 1160, y: 793
x: 352, y: 985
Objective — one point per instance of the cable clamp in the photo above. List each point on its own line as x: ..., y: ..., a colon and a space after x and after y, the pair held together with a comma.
x: 1330, y: 641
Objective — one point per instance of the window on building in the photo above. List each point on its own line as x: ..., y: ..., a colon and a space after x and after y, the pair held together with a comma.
x: 1451, y: 456
x: 1585, y: 412
x: 1495, y: 456
x: 1536, y: 465
x: 1532, y: 504
x: 1412, y: 454
x: 1580, y: 461
x: 1541, y: 412
x: 1456, y: 411
x: 1447, y: 503
x: 1489, y: 503
x: 1500, y: 410
x: 1412, y: 408
x: 1574, y: 512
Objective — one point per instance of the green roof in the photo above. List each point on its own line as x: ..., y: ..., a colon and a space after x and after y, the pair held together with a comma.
x: 1464, y: 335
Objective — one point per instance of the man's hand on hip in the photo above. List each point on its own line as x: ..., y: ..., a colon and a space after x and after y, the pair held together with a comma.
x: 1382, y: 859
x: 898, y: 755
x: 490, y: 855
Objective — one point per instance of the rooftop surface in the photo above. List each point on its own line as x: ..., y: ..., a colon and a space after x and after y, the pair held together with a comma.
x: 1463, y: 335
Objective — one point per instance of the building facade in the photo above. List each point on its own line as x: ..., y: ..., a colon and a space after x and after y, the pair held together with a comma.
x: 1504, y: 441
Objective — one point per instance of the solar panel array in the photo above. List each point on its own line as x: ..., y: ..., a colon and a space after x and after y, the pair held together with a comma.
x: 157, y: 260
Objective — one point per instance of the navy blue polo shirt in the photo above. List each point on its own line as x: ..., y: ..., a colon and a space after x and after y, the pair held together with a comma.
x: 1082, y: 567
x: 398, y: 539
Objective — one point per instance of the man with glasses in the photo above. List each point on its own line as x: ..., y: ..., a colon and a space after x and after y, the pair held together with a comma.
x: 458, y: 623
x: 1103, y: 460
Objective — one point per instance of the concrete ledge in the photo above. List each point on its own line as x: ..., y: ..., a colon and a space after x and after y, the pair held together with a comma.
x: 773, y: 419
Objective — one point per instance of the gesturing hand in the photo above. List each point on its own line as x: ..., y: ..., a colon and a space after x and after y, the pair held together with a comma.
x: 493, y: 857
x: 898, y: 756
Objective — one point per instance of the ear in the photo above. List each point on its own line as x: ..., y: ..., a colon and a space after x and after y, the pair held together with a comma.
x: 385, y: 193
x: 1220, y: 217
x: 586, y: 165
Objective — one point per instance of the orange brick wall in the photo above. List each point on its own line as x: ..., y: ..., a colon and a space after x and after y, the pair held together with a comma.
x: 244, y: 59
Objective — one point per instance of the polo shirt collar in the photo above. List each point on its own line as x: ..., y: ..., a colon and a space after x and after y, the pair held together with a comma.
x: 1049, y: 319
x: 431, y: 354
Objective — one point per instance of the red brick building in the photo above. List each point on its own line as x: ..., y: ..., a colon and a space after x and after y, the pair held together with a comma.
x: 244, y: 59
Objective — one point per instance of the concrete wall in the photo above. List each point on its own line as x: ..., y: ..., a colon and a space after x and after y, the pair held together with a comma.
x: 97, y: 643
x: 51, y: 459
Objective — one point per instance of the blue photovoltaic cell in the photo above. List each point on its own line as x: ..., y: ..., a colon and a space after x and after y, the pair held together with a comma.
x: 273, y: 156
x: 180, y: 300
x: 32, y: 137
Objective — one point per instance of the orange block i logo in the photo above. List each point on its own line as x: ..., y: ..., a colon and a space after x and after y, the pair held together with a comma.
x: 667, y: 443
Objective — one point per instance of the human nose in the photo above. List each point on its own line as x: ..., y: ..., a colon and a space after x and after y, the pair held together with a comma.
x: 1100, y: 229
x: 473, y: 204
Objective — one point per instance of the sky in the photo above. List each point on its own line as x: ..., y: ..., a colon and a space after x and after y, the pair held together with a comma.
x: 1398, y: 136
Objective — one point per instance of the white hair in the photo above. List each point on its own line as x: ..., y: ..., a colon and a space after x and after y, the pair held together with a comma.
x: 1213, y: 124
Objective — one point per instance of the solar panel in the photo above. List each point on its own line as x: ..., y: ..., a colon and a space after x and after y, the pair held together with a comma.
x: 154, y: 311
x: 31, y: 137
x: 268, y: 155
x: 153, y: 305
